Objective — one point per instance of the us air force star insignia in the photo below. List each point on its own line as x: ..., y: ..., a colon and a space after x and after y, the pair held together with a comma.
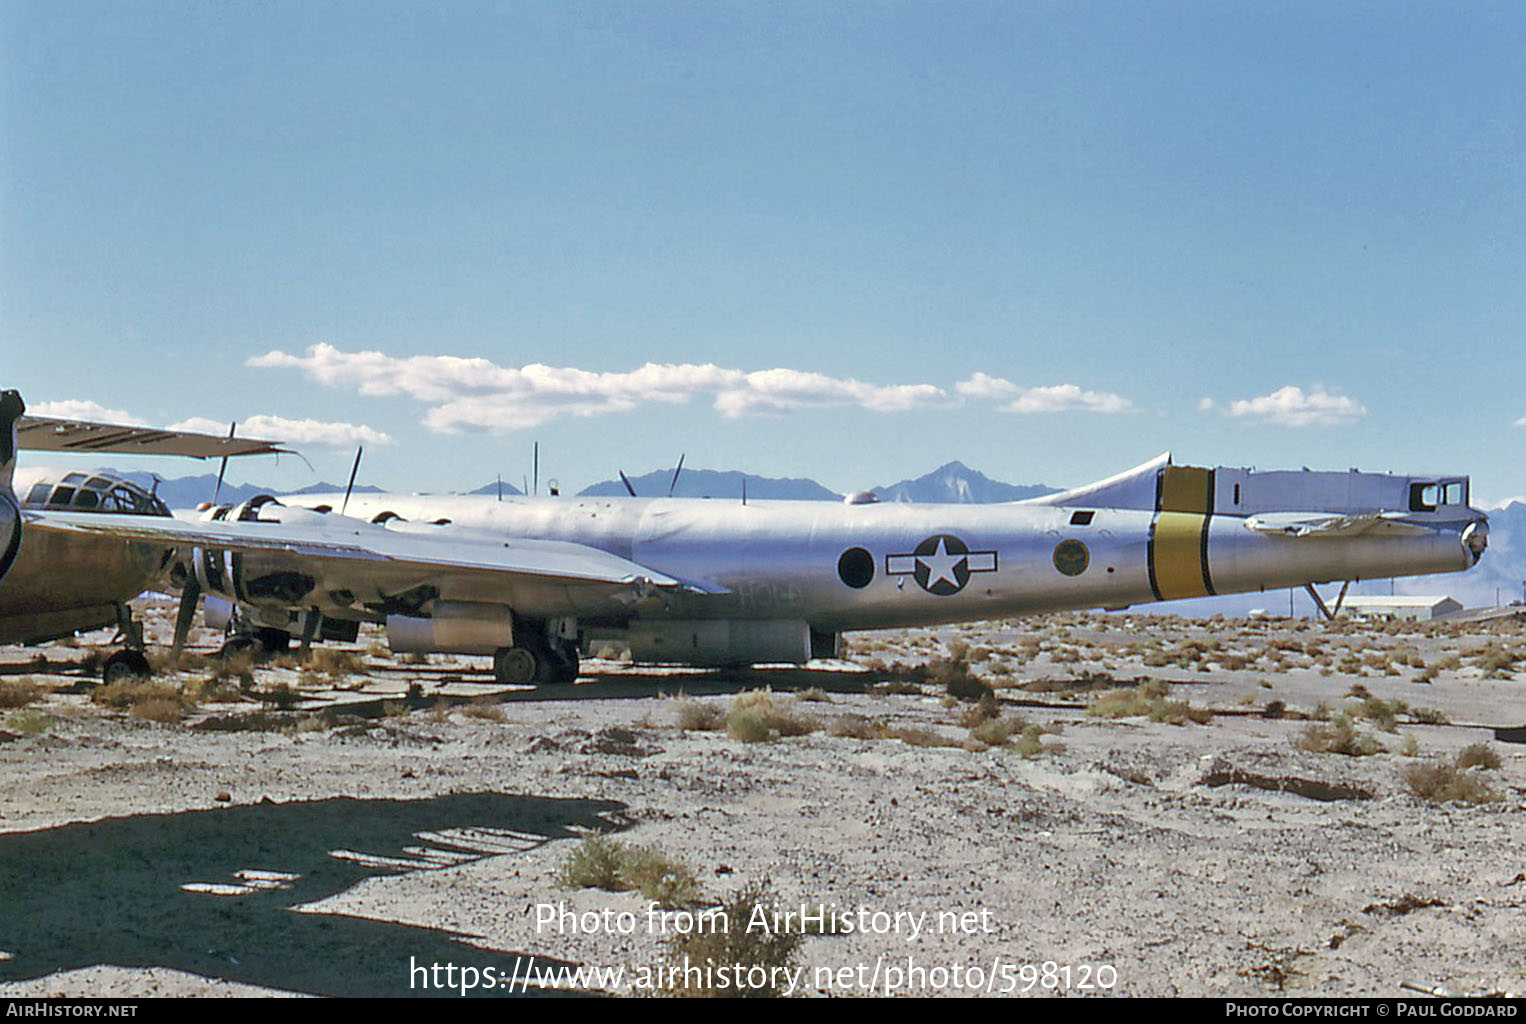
x: 941, y: 564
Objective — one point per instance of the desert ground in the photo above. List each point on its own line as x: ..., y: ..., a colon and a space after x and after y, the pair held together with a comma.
x: 1142, y: 805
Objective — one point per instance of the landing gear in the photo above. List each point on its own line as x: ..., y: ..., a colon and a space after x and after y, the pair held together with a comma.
x: 130, y: 662
x: 539, y: 661
x: 520, y: 665
x: 273, y: 641
x: 124, y: 666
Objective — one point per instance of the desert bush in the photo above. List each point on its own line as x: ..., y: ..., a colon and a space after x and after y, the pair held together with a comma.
x: 694, y: 716
x: 144, y: 698
x: 1339, y: 736
x: 601, y: 862
x: 735, y: 949
x: 1382, y: 713
x: 1030, y: 743
x: 1477, y: 755
x: 996, y: 732
x: 1441, y: 783
x: 486, y: 709
x: 984, y: 710
x: 1496, y: 662
x: 335, y: 662
x: 854, y: 727
x: 1147, y: 700
x: 28, y: 722
x: 19, y: 692
x: 757, y: 717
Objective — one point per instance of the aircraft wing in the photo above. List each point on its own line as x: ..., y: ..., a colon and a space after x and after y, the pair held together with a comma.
x: 1305, y: 524
x: 353, y: 540
x: 45, y: 434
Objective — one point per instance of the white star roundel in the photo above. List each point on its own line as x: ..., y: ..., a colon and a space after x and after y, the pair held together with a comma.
x: 941, y: 564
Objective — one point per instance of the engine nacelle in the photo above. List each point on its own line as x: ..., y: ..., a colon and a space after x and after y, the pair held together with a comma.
x: 455, y: 627
x: 718, y: 641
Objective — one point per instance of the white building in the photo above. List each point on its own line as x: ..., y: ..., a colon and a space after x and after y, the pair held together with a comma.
x: 1415, y: 608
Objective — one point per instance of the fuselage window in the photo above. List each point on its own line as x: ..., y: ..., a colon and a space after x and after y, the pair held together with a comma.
x: 1422, y: 497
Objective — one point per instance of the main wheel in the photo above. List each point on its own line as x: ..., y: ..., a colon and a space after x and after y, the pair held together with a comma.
x: 520, y: 665
x: 125, y: 665
x: 565, y: 664
x: 273, y: 641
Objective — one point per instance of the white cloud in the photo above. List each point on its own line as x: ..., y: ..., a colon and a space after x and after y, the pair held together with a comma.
x: 1521, y: 422
x: 1291, y: 407
x: 475, y: 394
x: 1054, y: 398
x: 299, y: 433
x: 83, y: 409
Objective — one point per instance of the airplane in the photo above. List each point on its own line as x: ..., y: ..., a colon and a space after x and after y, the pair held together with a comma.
x: 55, y: 584
x: 534, y: 582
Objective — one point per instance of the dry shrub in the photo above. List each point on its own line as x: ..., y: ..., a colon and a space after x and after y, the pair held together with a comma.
x: 1337, y: 737
x: 1382, y: 713
x: 1148, y: 700
x: 730, y: 952
x: 984, y: 710
x: 917, y: 736
x: 236, y: 666
x: 1031, y: 744
x: 486, y: 709
x: 861, y: 728
x: 1478, y: 755
x: 130, y: 694
x: 334, y: 663
x: 600, y: 862
x: 854, y: 727
x: 19, y: 692
x: 28, y: 722
x: 995, y: 732
x: 159, y: 709
x: 694, y: 716
x: 756, y: 717
x: 1440, y: 783
x: 1496, y: 662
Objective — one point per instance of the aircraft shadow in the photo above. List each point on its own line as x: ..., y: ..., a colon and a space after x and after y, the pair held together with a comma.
x: 633, y: 683
x: 111, y: 891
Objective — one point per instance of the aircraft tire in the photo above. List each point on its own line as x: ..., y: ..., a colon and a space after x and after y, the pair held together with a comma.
x: 124, y: 666
x: 565, y: 667
x: 273, y: 641
x: 520, y: 665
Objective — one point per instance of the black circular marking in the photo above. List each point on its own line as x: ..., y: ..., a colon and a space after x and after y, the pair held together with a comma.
x: 951, y: 547
x: 1071, y: 557
x: 856, y: 568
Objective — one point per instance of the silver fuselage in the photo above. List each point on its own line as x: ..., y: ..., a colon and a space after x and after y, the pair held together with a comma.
x: 913, y: 564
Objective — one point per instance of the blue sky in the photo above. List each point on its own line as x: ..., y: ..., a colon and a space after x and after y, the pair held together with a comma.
x: 846, y: 241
